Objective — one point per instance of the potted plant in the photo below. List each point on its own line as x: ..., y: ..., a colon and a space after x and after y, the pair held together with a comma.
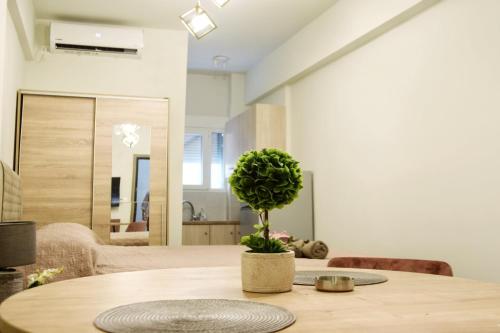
x: 265, y: 180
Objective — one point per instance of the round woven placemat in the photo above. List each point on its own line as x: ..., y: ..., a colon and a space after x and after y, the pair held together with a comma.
x: 306, y: 278
x: 197, y: 315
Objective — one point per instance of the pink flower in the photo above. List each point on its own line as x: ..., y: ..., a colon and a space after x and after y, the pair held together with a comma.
x: 281, y: 235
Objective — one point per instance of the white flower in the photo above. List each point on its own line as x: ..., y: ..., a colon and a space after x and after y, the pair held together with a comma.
x: 32, y: 278
x: 39, y: 278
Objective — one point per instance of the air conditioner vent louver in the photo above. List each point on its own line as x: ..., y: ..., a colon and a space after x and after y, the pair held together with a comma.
x: 74, y: 47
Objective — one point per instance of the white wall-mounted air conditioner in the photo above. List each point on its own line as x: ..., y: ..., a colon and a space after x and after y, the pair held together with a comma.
x: 96, y: 39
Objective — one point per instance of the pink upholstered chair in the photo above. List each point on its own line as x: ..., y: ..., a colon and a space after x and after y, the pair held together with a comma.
x: 390, y: 264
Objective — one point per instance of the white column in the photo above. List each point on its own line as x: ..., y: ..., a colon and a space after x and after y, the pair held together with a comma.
x: 237, y: 94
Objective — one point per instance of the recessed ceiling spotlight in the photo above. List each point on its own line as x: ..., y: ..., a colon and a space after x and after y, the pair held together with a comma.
x: 198, y: 22
x: 220, y: 61
x: 220, y: 3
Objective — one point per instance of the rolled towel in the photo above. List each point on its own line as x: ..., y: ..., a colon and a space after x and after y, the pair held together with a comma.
x: 296, y: 247
x: 315, y: 250
x: 298, y: 251
x: 298, y: 243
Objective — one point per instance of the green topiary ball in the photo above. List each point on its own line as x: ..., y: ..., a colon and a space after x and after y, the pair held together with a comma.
x: 266, y: 179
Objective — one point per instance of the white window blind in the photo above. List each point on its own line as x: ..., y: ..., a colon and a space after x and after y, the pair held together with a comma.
x: 193, y: 159
x: 217, y: 165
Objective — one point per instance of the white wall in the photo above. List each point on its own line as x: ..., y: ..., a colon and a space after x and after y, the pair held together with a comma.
x: 214, y: 203
x: 277, y: 97
x: 207, y: 94
x: 237, y: 94
x: 207, y: 100
x: 345, y: 26
x: 161, y: 72
x: 13, y: 69
x: 23, y: 16
x: 212, y: 97
x: 403, y: 138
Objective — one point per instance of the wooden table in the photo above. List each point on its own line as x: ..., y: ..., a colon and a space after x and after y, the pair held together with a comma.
x: 408, y: 302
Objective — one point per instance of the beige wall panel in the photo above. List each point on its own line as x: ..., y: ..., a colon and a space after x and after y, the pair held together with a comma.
x: 270, y: 126
x: 262, y: 126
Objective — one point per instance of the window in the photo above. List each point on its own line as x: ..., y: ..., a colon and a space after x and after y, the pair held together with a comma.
x: 203, y: 166
x: 217, y: 166
x: 192, y: 170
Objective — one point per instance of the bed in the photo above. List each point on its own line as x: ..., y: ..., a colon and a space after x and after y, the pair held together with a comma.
x: 136, y: 238
x: 81, y: 253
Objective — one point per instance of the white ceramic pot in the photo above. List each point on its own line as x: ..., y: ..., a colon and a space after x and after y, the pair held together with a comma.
x: 267, y: 272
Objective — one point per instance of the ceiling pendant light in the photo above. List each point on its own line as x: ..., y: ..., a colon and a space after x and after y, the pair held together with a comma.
x: 220, y: 61
x: 220, y: 3
x: 197, y: 21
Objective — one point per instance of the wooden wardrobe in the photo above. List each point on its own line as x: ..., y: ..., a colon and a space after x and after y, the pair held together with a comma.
x: 63, y: 156
x: 261, y: 126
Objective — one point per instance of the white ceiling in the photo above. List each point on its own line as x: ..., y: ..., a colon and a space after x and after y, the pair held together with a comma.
x: 247, y: 29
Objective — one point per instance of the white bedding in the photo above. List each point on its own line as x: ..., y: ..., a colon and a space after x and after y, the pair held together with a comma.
x: 112, y: 259
x: 81, y: 253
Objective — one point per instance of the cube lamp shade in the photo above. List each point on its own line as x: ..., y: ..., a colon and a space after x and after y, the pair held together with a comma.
x: 220, y: 3
x: 198, y: 22
x: 17, y: 244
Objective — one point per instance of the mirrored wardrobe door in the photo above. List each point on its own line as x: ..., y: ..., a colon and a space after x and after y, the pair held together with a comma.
x: 130, y: 184
x: 130, y: 171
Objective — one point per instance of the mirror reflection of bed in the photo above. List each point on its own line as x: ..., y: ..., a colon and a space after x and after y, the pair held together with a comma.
x: 130, y: 185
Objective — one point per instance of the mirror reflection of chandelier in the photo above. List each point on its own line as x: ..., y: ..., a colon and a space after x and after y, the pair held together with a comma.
x: 129, y: 134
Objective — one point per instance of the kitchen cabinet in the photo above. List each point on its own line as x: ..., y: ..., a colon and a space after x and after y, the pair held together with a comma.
x: 206, y: 233
x: 222, y: 235
x: 196, y: 235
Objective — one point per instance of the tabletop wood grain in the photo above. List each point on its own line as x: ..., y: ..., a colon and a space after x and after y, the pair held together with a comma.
x: 408, y: 302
